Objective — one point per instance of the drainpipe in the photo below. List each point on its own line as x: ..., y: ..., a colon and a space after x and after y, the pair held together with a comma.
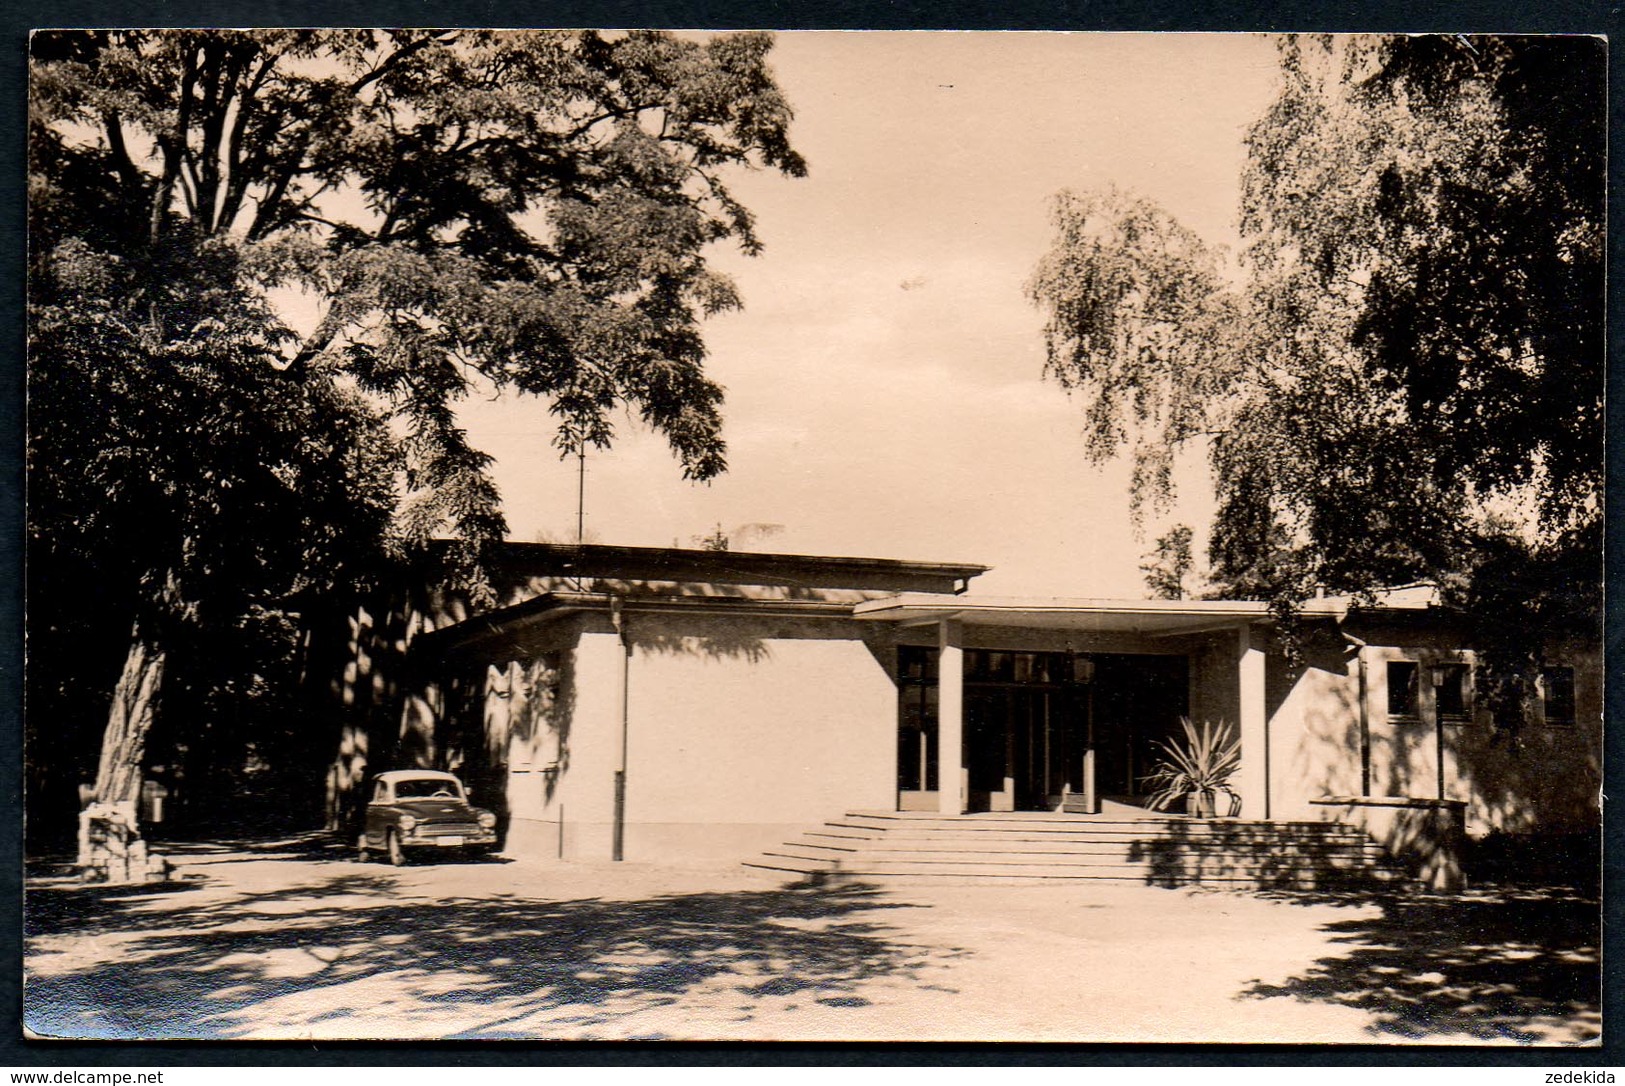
x: 617, y: 619
x: 1365, y: 712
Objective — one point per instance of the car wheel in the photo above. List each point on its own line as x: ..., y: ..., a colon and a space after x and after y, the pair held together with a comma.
x: 362, y: 851
x: 392, y: 842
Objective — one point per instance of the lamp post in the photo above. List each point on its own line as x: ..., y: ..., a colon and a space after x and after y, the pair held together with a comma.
x: 1441, y: 675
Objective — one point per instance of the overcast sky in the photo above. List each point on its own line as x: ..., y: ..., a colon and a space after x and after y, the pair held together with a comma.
x: 884, y: 381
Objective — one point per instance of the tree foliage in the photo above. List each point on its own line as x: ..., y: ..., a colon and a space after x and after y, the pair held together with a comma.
x: 1169, y: 564
x: 1403, y: 379
x: 265, y: 266
x: 1134, y: 302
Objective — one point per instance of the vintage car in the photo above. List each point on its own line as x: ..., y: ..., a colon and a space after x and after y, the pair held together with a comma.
x: 413, y: 811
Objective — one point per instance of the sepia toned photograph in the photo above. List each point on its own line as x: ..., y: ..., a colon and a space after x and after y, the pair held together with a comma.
x: 619, y: 535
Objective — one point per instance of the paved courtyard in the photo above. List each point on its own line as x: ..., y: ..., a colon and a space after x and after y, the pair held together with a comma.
x: 294, y: 939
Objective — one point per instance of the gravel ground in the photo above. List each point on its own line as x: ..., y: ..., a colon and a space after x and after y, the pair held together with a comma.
x: 293, y: 940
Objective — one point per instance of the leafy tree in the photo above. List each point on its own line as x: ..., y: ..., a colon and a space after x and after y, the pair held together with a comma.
x: 1404, y: 379
x: 458, y: 210
x: 1169, y: 563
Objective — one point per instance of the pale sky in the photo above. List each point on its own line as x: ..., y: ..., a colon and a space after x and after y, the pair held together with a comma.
x: 884, y: 390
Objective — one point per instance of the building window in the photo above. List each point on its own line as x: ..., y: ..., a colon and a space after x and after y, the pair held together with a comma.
x: 916, y: 664
x: 916, y: 719
x: 1557, y: 694
x: 1402, y: 689
x: 983, y: 666
x: 1451, y: 699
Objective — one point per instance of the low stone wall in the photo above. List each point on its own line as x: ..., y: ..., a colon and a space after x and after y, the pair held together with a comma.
x: 111, y: 848
x: 1427, y: 836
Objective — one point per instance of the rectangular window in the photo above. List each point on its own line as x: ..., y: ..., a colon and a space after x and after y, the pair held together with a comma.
x: 1402, y: 701
x: 915, y: 662
x: 916, y: 719
x: 1450, y: 691
x: 1557, y: 694
x: 984, y: 666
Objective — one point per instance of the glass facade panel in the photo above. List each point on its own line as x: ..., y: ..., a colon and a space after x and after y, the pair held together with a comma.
x: 917, y: 719
x: 1030, y: 716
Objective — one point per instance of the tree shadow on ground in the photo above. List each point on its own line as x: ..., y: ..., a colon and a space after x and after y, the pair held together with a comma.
x: 303, y: 845
x: 1497, y: 964
x: 500, y: 966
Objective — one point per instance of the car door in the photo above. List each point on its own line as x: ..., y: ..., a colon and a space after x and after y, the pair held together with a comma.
x: 378, y: 813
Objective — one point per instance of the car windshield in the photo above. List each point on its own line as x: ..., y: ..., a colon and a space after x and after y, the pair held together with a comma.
x: 422, y: 787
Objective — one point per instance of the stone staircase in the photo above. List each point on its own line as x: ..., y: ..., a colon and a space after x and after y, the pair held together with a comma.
x: 1039, y: 847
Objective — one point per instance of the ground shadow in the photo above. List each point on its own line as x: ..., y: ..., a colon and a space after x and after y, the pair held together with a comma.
x: 303, y: 845
x: 1493, y: 963
x: 500, y: 966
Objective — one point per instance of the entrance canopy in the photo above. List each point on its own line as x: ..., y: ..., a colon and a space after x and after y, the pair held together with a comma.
x: 1145, y: 617
x: 951, y: 615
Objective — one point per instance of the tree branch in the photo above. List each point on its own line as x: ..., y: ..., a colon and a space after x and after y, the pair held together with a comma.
x: 318, y: 341
x: 240, y: 172
x: 126, y: 167
x: 264, y: 215
x: 395, y: 59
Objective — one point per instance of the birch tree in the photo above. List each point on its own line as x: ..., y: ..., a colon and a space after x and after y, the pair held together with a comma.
x: 1401, y: 377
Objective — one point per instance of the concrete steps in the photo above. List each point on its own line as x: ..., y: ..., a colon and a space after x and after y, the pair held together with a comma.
x: 1041, y: 846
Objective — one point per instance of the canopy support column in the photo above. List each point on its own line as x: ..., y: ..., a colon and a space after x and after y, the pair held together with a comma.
x: 950, y: 718
x: 1252, y: 781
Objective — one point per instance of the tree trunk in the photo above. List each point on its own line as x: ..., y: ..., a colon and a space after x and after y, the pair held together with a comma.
x: 124, y: 743
x: 110, y: 845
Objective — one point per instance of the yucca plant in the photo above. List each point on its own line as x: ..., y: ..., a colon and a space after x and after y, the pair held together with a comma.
x: 1201, y: 765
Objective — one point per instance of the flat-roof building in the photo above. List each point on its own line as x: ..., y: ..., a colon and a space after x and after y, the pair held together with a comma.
x: 661, y: 704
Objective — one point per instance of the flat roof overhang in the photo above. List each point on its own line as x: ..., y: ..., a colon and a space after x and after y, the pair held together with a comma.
x: 675, y: 564
x: 1152, y: 618
x: 504, y: 626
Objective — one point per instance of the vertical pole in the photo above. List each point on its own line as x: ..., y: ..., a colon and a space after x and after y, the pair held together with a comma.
x: 1365, y: 723
x: 1438, y: 728
x: 950, y: 719
x: 618, y: 851
x: 1438, y: 745
x: 925, y: 760
x: 581, y: 495
x: 618, y: 848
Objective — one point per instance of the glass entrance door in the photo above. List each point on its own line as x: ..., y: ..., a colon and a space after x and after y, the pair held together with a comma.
x: 1030, y: 718
x: 1026, y: 727
x: 1138, y: 702
x: 1024, y: 745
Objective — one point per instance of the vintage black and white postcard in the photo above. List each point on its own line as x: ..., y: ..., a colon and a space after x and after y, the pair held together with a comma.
x: 603, y: 535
